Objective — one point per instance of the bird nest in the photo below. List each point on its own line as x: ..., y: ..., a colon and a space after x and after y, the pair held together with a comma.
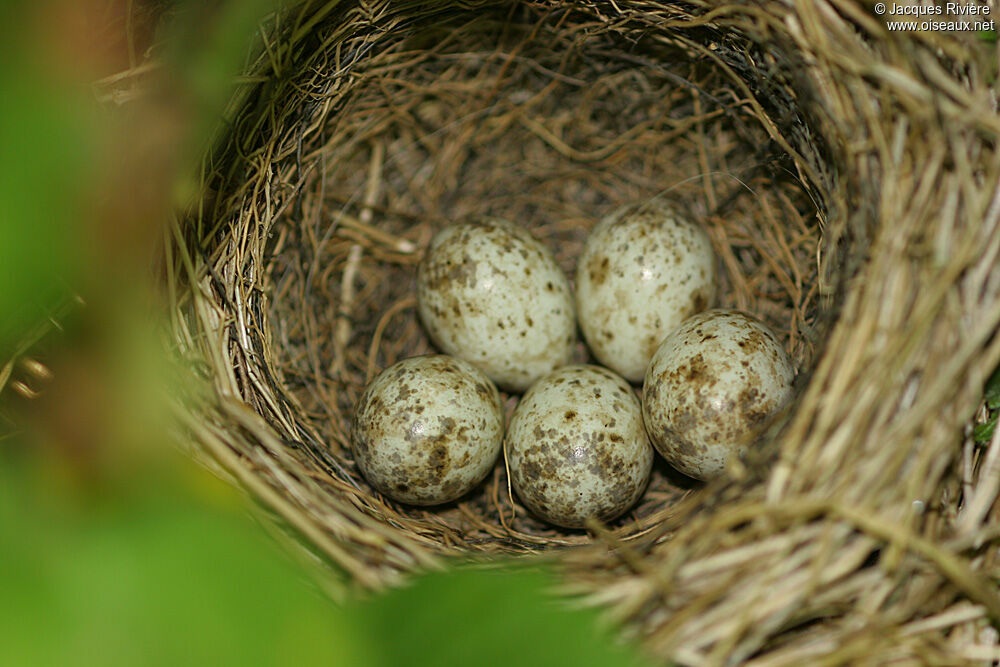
x: 847, y: 177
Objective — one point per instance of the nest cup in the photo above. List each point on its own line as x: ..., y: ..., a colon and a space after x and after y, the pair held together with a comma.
x: 375, y: 125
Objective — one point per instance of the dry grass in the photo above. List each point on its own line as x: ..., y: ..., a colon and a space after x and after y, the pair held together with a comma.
x: 848, y: 179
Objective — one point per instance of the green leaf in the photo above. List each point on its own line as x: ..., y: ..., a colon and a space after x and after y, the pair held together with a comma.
x: 982, y: 433
x: 154, y: 579
x: 207, y: 47
x: 487, y: 617
x: 48, y: 135
x: 992, y: 392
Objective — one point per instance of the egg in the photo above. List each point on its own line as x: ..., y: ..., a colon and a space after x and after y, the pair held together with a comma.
x: 491, y: 294
x: 427, y: 429
x: 576, y: 447
x: 643, y: 270
x: 712, y: 387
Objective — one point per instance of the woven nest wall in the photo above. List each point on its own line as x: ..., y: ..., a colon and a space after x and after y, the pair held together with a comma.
x: 848, y: 179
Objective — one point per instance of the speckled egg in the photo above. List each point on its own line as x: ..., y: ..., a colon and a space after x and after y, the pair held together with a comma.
x: 576, y: 447
x: 642, y: 272
x: 711, y: 389
x: 490, y: 293
x: 427, y: 429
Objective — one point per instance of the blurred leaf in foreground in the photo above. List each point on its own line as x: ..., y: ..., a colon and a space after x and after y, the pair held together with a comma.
x: 48, y: 136
x: 86, y: 188
x: 487, y: 617
x: 159, y: 578
x: 205, y: 48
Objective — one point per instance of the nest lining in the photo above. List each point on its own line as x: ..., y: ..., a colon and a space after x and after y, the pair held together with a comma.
x: 547, y: 127
x: 864, y: 192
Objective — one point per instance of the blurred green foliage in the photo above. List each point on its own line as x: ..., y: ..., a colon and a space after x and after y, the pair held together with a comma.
x: 156, y: 578
x: 114, y: 548
x: 206, y: 46
x: 48, y: 138
x: 982, y: 433
x: 497, y: 617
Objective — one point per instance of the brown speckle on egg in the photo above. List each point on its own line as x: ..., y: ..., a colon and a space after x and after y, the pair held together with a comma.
x: 576, y: 453
x: 643, y: 270
x: 490, y: 293
x: 711, y: 388
x: 427, y: 429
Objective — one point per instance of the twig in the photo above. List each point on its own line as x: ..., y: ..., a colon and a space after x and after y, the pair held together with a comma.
x: 343, y: 333
x: 403, y: 304
x: 706, y: 167
x: 394, y: 242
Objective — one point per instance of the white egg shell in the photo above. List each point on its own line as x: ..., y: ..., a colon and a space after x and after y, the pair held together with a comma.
x: 576, y: 447
x: 642, y: 272
x: 490, y: 293
x: 427, y: 429
x: 711, y: 389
